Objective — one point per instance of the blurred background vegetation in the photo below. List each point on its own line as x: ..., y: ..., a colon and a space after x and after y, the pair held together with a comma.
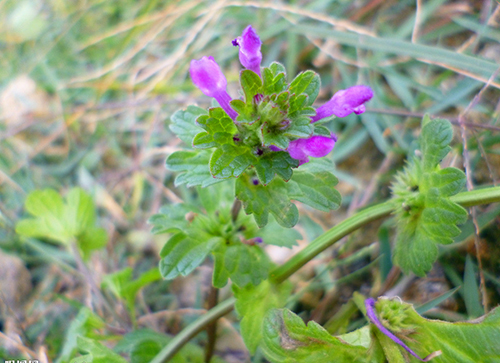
x: 86, y: 91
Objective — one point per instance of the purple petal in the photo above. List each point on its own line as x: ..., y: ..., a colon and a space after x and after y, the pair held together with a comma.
x: 250, y: 55
x: 315, y: 146
x: 372, y: 316
x: 345, y: 102
x: 208, y: 77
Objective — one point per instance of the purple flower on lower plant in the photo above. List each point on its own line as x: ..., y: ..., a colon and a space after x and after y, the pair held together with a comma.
x: 315, y: 146
x: 208, y: 77
x: 250, y: 55
x: 372, y: 316
x: 345, y: 102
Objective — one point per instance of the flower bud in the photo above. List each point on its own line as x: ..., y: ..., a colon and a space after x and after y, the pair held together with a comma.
x: 250, y: 55
x: 345, y: 102
x: 208, y: 77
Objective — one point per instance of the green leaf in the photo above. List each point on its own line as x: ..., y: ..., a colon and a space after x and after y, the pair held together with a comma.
x: 63, y: 221
x: 125, y: 287
x: 315, y: 190
x: 274, y: 234
x: 416, y: 244
x: 144, y: 344
x: 300, y: 127
x: 183, y: 253
x: 280, y: 163
x: 321, y: 130
x: 244, y: 264
x: 219, y: 129
x: 426, y: 216
x: 252, y: 305
x: 96, y: 352
x: 463, y: 342
x: 434, y: 142
x: 274, y: 79
x: 83, y: 324
x: 170, y: 219
x: 251, y: 85
x: 270, y: 136
x: 288, y: 340
x: 194, y: 168
x: 184, y: 123
x: 230, y: 161
x: 256, y: 200
x: 307, y: 82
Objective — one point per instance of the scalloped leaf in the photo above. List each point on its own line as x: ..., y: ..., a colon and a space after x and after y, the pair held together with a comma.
x: 261, y: 200
x: 315, y: 190
x: 183, y: 123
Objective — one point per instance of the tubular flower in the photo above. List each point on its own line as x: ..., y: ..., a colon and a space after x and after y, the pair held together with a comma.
x: 250, y: 55
x: 315, y: 146
x: 207, y: 76
x: 372, y: 316
x: 345, y: 102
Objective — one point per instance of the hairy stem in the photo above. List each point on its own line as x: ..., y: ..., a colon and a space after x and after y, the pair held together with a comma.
x: 280, y: 274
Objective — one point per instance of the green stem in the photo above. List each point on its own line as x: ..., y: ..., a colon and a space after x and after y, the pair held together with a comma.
x: 328, y: 238
x: 193, y: 329
x: 280, y: 274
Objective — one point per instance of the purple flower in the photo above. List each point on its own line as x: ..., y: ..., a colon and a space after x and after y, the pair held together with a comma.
x: 207, y: 76
x: 250, y: 55
x: 372, y: 316
x: 345, y: 102
x: 315, y: 146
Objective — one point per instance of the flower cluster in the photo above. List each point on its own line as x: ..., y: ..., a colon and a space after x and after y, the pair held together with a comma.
x: 266, y: 122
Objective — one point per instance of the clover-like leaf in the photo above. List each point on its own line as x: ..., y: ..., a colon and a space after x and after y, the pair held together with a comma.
x: 252, y: 305
x: 315, y: 190
x: 261, y: 200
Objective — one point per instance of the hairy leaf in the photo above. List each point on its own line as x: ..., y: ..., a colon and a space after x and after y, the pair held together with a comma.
x: 183, y: 253
x: 193, y: 166
x: 462, y: 342
x: 261, y: 200
x: 426, y: 216
x: 251, y: 84
x: 280, y: 163
x: 230, y: 161
x: 434, y: 142
x: 274, y: 79
x: 184, y: 123
x: 252, y: 305
x: 307, y: 82
x: 244, y: 264
x: 315, y: 190
x: 288, y: 340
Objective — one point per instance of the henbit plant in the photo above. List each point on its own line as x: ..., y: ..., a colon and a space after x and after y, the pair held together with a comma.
x: 259, y: 148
